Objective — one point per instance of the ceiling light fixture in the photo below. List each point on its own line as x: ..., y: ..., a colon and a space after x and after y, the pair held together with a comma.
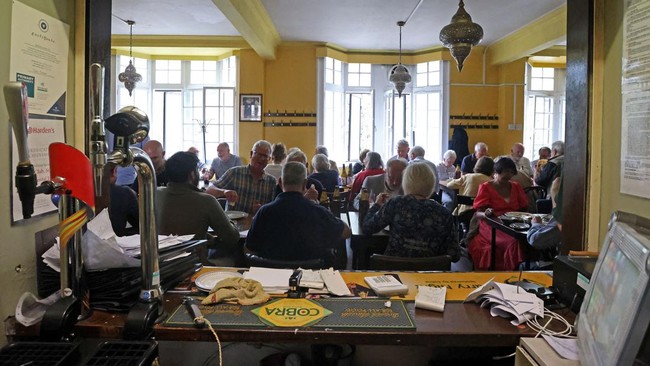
x: 460, y: 35
x: 399, y: 74
x: 130, y: 77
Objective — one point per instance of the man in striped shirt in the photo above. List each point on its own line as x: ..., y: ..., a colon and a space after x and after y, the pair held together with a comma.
x: 248, y: 187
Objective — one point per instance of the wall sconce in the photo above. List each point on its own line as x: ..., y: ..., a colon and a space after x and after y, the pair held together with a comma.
x: 460, y: 35
x: 130, y: 77
x: 399, y: 74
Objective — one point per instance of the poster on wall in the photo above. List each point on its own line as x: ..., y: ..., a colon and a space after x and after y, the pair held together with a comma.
x: 40, y: 134
x: 635, y: 87
x: 39, y: 58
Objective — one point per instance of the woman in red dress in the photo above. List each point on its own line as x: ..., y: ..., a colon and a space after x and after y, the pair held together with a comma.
x: 495, y: 198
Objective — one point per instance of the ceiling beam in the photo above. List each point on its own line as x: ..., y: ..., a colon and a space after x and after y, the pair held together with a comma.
x: 252, y: 21
x: 545, y: 32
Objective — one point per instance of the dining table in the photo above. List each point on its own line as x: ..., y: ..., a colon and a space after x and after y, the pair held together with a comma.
x: 517, y: 225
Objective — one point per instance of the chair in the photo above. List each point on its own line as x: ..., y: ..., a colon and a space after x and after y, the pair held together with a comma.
x: 534, y: 194
x: 254, y: 260
x: 387, y: 262
x: 464, y: 218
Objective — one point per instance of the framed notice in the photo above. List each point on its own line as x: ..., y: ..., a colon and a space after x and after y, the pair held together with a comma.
x: 39, y: 58
x: 41, y: 133
x: 250, y: 107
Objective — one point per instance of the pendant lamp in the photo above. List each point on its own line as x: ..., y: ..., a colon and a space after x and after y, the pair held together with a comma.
x: 399, y: 75
x: 460, y: 35
x: 130, y: 77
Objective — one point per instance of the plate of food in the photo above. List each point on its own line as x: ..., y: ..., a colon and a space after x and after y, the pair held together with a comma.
x: 234, y: 215
x: 206, y: 281
x: 520, y: 226
x: 518, y: 215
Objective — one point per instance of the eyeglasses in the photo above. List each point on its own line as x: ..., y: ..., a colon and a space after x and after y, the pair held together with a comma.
x: 263, y: 156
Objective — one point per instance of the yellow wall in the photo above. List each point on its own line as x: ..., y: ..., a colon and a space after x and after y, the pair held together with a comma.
x: 289, y: 83
x: 610, y: 142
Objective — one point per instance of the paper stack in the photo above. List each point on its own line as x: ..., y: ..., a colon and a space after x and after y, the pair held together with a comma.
x: 507, y: 301
x: 274, y: 281
x: 311, y: 279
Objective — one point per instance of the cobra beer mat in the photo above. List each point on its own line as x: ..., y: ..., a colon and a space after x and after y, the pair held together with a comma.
x: 333, y: 313
x: 365, y: 313
x: 224, y: 315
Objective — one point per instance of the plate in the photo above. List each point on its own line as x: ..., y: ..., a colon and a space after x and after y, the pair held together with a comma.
x: 207, y: 281
x: 234, y: 215
x: 520, y: 226
x: 518, y: 215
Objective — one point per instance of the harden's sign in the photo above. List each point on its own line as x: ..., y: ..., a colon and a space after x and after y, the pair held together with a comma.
x: 291, y: 312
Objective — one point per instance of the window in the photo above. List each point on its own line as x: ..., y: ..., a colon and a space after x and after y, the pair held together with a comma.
x: 203, y: 72
x: 333, y: 71
x: 363, y: 111
x: 428, y: 74
x: 167, y: 72
x: 545, y: 106
x: 192, y: 103
x: 358, y: 74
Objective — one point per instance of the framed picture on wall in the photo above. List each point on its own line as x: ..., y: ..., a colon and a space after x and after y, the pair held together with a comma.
x: 250, y: 107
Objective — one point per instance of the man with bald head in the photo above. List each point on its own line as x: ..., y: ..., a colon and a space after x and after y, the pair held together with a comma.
x: 522, y: 162
x: 480, y: 150
x: 224, y: 161
x: 156, y: 153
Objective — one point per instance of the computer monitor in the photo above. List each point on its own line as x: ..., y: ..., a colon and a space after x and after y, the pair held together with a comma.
x: 615, y: 313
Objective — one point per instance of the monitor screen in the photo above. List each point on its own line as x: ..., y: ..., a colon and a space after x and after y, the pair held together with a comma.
x: 614, y: 318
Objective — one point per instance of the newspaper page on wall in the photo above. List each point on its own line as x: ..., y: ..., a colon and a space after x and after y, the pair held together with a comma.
x: 635, y: 132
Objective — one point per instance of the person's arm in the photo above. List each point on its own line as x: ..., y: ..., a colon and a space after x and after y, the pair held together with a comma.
x: 464, y: 168
x: 377, y: 218
x: 225, y: 231
x: 221, y: 188
x: 544, y: 236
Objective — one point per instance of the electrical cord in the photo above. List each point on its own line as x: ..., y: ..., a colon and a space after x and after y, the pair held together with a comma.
x: 536, y: 326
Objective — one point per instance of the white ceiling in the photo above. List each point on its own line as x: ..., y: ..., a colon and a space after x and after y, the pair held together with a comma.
x: 351, y: 24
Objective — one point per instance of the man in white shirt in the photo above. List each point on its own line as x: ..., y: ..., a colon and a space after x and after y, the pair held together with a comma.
x: 522, y: 162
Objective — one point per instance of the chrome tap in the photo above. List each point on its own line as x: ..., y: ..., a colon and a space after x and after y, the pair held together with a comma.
x: 97, y: 146
x: 131, y: 125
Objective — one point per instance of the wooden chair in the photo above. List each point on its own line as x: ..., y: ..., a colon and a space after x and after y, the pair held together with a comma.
x: 390, y: 263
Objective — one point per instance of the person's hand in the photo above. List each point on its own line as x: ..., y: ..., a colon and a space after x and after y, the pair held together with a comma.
x: 311, y: 193
x: 536, y: 220
x: 382, y: 198
x: 231, y: 196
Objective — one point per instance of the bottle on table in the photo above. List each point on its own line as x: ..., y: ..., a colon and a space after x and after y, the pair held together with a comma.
x: 364, y: 204
x: 344, y: 175
x: 350, y: 175
x: 324, y: 200
x: 457, y: 174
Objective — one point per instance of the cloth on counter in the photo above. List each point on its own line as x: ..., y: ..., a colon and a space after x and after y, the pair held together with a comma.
x: 237, y: 290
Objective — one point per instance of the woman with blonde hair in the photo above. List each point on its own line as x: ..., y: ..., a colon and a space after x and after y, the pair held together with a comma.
x: 419, y: 227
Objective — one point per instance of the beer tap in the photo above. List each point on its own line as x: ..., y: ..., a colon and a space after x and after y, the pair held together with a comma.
x: 97, y: 146
x: 25, y: 180
x: 65, y: 161
x: 130, y: 125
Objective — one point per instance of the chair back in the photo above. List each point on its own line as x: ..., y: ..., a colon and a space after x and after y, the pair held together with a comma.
x: 254, y: 260
x: 387, y: 262
x: 534, y: 193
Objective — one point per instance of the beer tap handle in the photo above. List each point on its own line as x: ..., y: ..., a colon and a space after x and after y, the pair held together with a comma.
x: 16, y: 99
x: 98, y: 149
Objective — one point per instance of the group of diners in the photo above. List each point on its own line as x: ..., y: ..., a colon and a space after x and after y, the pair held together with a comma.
x: 281, y: 191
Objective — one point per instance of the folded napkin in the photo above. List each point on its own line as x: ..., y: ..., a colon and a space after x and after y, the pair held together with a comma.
x: 237, y: 290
